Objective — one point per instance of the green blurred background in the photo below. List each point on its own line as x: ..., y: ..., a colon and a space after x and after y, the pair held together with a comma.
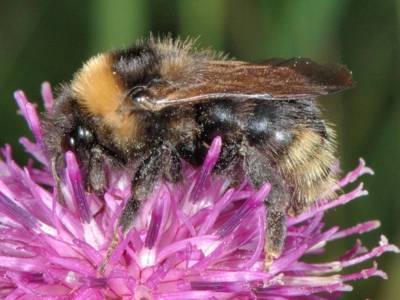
x: 49, y: 40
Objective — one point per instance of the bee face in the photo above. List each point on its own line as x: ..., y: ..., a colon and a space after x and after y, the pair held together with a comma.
x: 152, y: 105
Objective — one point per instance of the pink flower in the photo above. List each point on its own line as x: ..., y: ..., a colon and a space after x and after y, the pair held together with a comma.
x: 182, y: 247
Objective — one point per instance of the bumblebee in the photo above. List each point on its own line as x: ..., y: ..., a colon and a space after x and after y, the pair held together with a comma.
x: 148, y: 107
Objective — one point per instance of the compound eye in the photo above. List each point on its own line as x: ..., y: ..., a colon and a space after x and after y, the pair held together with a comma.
x: 84, y: 135
x: 80, y: 137
x: 68, y: 142
x: 71, y: 142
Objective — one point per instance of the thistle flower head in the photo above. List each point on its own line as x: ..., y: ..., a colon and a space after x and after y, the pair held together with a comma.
x: 197, y: 239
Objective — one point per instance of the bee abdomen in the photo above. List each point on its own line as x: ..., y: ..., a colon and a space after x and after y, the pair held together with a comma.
x: 266, y: 126
x: 307, y: 165
x: 220, y: 118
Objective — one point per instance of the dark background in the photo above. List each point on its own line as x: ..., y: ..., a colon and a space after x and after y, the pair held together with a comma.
x: 49, y: 40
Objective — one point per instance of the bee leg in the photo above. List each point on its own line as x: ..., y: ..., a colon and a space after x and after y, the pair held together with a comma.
x: 55, y: 165
x: 172, y: 168
x: 228, y: 157
x: 260, y: 170
x: 228, y: 163
x: 142, y: 185
x: 275, y: 229
x: 164, y: 163
x: 96, y: 175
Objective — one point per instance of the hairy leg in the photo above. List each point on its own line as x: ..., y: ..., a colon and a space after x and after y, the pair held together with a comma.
x: 56, y: 163
x: 171, y: 170
x: 96, y: 175
x: 260, y: 170
x: 142, y: 185
x: 162, y: 163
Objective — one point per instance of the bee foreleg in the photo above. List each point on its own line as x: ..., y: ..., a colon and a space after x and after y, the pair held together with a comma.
x: 55, y: 165
x: 96, y: 175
